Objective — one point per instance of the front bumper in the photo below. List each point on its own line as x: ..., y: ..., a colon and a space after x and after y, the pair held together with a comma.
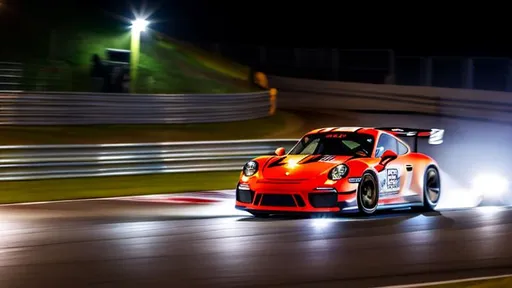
x: 283, y: 198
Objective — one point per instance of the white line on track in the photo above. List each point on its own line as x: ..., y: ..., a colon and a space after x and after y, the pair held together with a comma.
x: 185, y: 194
x: 56, y: 201
x: 449, y: 281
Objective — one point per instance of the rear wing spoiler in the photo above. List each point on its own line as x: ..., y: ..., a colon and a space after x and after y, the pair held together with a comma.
x: 435, y: 136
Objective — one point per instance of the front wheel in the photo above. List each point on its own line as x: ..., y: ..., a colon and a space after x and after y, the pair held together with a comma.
x: 431, y: 189
x: 368, y: 194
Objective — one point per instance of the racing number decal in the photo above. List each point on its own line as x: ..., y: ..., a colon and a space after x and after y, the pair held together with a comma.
x: 389, y: 182
x: 393, y: 181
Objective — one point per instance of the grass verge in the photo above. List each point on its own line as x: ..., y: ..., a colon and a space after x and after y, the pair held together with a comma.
x: 267, y: 127
x: 164, y: 66
x: 210, y: 60
x: 492, y: 283
x: 57, y: 56
x: 96, y: 187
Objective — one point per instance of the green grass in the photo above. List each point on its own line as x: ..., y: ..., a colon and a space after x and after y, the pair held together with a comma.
x: 164, y: 67
x: 493, y: 283
x: 96, y: 187
x: 210, y: 60
x: 282, y: 124
x: 166, y: 64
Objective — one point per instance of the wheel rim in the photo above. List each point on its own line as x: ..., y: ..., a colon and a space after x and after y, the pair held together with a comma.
x: 368, y: 193
x: 433, y: 186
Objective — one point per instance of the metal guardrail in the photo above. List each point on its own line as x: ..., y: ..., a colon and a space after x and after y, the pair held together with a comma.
x: 86, y: 108
x: 10, y: 76
x: 30, y: 162
x: 36, y: 75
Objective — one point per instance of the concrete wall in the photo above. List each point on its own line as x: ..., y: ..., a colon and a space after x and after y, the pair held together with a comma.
x: 472, y: 104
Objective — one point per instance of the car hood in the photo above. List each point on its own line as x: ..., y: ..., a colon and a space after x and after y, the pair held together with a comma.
x: 300, y: 166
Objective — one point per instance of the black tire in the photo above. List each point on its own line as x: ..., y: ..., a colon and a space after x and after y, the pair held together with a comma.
x: 368, y: 194
x: 431, y: 189
x: 260, y: 214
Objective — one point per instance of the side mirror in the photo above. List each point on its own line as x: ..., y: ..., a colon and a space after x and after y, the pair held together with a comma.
x: 387, y: 156
x: 280, y: 151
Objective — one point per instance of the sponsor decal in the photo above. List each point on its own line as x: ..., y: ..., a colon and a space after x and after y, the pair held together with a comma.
x: 393, y: 181
x: 337, y: 135
x: 390, y: 183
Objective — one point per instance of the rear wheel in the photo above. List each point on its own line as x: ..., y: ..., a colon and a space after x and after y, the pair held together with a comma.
x: 368, y: 194
x: 431, y: 189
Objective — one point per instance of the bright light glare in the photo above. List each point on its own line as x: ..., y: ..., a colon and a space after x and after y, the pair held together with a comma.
x: 140, y: 25
x: 490, y: 210
x: 292, y: 163
x: 321, y: 223
x: 490, y: 185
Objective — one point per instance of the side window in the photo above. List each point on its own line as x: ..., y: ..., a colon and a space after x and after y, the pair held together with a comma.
x: 402, y: 149
x: 386, y: 142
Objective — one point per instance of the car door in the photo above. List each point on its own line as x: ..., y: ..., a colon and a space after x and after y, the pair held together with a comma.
x: 395, y: 179
x: 406, y: 192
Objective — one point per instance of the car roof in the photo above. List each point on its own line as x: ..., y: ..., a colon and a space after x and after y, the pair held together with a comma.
x: 363, y: 130
x: 366, y: 130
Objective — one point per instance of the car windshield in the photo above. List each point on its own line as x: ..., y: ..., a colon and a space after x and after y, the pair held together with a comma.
x: 342, y: 144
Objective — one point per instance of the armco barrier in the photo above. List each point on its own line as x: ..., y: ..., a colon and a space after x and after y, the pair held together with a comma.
x: 87, y: 108
x: 93, y: 160
x: 476, y: 104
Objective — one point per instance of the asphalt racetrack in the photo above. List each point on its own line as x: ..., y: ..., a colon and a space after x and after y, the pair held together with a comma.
x: 117, y: 243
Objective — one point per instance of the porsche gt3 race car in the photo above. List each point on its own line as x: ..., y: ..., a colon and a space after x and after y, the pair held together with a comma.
x: 333, y: 170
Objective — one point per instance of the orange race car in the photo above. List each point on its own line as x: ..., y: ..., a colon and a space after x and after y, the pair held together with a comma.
x: 332, y: 170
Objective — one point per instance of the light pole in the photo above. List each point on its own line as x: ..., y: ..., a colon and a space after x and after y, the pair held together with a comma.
x: 138, y: 26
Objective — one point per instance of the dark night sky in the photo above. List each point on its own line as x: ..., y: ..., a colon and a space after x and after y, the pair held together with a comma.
x: 419, y: 28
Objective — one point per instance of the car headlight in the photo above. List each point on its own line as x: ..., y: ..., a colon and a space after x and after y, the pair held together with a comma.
x: 338, y: 172
x: 250, y: 168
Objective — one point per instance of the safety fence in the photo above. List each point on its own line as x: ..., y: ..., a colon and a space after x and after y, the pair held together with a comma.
x: 36, y: 75
x: 333, y: 95
x: 29, y: 162
x: 88, y: 108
